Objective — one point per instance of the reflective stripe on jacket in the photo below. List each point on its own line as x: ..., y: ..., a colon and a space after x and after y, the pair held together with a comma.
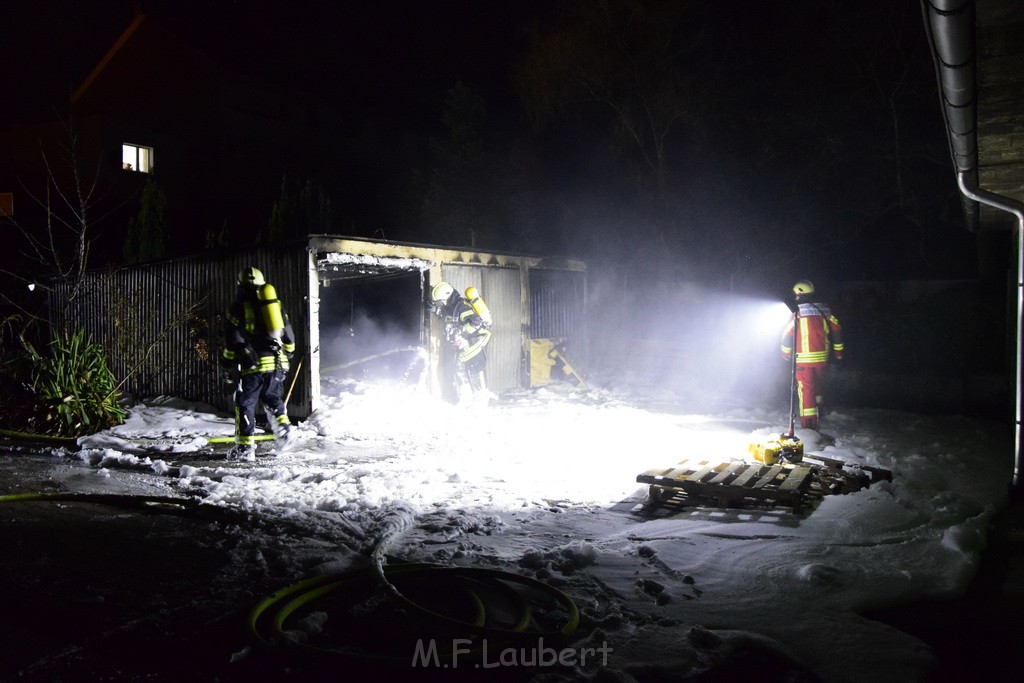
x: 818, y: 338
x: 471, y: 327
x: 246, y: 332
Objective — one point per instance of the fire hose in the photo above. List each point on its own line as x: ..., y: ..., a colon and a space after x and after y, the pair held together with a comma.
x: 437, y: 590
x: 467, y: 604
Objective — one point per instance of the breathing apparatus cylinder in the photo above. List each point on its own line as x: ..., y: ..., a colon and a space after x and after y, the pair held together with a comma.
x: 270, y: 310
x: 479, y: 307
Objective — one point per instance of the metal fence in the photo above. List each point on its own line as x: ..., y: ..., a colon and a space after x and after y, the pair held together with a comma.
x: 162, y: 322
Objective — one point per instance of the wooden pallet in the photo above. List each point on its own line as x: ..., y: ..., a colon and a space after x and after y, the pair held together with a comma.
x: 698, y: 482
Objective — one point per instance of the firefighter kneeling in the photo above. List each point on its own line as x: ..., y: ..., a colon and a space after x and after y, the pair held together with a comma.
x: 258, y: 343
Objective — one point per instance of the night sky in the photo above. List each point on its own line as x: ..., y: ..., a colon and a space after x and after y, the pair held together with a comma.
x: 809, y: 141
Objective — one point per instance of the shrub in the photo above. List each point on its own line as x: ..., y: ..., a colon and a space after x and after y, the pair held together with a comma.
x: 75, y: 392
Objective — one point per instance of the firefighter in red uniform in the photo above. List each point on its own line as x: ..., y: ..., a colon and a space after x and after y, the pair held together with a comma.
x: 818, y: 339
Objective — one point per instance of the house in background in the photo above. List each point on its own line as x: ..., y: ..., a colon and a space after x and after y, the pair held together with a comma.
x: 217, y: 144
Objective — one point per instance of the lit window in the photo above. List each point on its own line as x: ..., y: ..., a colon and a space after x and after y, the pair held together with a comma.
x: 136, y: 158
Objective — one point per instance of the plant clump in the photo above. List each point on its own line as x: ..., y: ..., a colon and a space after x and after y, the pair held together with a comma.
x: 65, y: 390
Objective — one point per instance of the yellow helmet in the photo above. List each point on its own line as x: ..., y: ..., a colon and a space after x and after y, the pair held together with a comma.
x: 472, y: 293
x: 803, y: 288
x: 441, y: 292
x: 250, y: 275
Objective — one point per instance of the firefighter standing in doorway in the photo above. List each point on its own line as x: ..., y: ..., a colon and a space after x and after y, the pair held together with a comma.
x: 467, y: 327
x: 817, y: 337
x: 258, y: 343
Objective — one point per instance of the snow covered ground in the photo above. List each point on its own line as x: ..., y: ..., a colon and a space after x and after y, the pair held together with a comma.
x: 543, y: 485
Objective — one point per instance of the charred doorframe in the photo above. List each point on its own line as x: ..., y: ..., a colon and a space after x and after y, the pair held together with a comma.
x: 364, y: 270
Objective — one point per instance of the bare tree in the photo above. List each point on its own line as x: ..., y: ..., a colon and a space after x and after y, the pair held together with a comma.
x: 625, y: 57
x: 58, y: 247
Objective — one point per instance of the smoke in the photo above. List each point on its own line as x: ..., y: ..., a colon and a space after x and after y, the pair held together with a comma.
x: 370, y: 329
x: 689, y: 344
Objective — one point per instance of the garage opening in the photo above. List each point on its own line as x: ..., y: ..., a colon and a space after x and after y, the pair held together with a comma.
x: 372, y: 322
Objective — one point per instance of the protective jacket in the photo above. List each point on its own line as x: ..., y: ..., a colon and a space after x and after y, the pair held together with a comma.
x: 248, y: 342
x: 818, y: 337
x: 258, y: 341
x: 466, y: 329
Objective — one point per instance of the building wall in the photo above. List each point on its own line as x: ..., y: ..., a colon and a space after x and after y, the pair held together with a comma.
x: 927, y: 345
x: 557, y: 304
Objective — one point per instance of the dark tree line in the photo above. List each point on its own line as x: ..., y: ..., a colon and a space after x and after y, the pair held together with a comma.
x: 726, y: 140
x: 739, y: 141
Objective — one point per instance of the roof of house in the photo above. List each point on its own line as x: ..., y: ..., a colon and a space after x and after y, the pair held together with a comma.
x: 978, y: 46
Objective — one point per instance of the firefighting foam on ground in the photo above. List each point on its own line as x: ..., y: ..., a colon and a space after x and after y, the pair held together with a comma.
x: 399, y: 533
x: 540, y: 485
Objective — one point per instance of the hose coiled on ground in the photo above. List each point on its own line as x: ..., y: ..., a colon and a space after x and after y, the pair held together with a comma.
x: 473, y: 606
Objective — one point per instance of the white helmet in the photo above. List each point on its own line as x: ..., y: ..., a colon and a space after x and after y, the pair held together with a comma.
x: 441, y: 292
x: 251, y: 275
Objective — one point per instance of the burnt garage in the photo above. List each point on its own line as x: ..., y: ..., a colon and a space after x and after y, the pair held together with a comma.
x: 359, y: 308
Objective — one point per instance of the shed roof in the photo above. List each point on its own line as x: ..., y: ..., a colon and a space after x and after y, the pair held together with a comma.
x: 435, y: 253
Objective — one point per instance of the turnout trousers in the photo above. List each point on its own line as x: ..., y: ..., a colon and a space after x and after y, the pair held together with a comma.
x: 472, y: 371
x: 267, y: 387
x: 809, y: 380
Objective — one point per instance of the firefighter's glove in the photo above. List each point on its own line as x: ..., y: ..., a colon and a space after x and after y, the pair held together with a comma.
x: 460, y: 343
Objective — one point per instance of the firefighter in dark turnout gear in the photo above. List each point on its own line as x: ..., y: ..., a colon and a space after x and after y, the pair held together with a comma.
x: 814, y: 334
x: 258, y: 343
x: 467, y: 327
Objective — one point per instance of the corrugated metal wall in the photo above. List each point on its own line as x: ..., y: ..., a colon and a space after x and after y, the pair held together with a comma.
x: 557, y: 304
x: 501, y: 291
x: 162, y: 322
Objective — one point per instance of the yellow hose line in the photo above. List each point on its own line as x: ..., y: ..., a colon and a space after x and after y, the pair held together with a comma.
x: 38, y: 437
x: 304, y: 593
x: 104, y: 498
x: 467, y: 580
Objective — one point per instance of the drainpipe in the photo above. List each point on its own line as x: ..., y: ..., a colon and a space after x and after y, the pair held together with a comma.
x: 950, y: 28
x: 1017, y: 209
